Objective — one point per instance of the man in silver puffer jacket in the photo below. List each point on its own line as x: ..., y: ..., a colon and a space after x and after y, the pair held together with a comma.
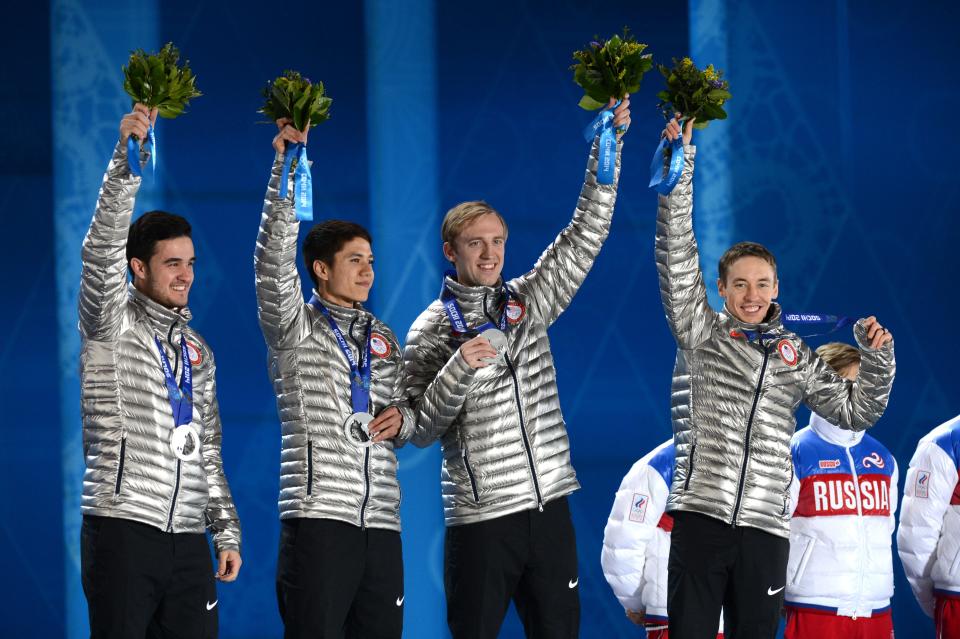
x: 340, y: 567
x: 145, y: 561
x: 740, y: 376
x: 506, y: 457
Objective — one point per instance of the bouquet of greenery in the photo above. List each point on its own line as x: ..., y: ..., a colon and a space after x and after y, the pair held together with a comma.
x: 156, y: 81
x: 610, y: 69
x: 694, y: 93
x: 294, y: 97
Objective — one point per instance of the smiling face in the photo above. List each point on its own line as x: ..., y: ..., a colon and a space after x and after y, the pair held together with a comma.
x: 167, y: 277
x: 477, y: 251
x: 749, y: 288
x: 347, y: 281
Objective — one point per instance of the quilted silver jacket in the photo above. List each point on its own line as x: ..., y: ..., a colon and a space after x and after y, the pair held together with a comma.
x: 322, y: 474
x: 505, y: 445
x: 734, y: 393
x: 131, y: 472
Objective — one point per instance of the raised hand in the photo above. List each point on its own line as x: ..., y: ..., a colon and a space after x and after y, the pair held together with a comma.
x: 672, y: 130
x: 137, y: 122
x: 288, y: 133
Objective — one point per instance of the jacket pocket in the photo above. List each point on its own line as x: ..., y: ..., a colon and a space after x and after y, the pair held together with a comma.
x: 309, y: 467
x: 473, y: 479
x: 686, y: 482
x: 808, y: 545
x: 123, y: 456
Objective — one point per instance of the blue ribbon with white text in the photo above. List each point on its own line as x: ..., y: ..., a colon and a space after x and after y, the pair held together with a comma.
x: 360, y: 373
x: 607, y: 160
x: 302, y: 181
x: 180, y: 396
x: 455, y: 314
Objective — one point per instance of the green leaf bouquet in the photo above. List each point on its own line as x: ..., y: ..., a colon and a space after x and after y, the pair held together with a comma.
x: 694, y: 93
x: 610, y: 69
x: 294, y: 97
x: 157, y: 81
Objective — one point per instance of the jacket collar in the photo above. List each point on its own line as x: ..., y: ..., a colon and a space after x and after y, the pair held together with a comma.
x: 160, y: 316
x: 342, y: 314
x: 834, y: 434
x: 770, y: 324
x: 471, y: 298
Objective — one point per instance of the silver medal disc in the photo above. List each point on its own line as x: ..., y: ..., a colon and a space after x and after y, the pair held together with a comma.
x: 498, y: 340
x: 185, y: 442
x: 356, y: 428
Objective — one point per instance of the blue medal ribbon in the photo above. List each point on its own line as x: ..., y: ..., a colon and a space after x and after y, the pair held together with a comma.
x: 664, y: 186
x: 455, y: 314
x: 603, y: 125
x: 133, y: 152
x: 180, y: 396
x: 838, y: 321
x: 360, y: 373
x: 302, y: 181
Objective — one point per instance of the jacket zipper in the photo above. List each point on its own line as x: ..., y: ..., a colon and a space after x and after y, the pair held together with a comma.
x: 473, y: 480
x: 523, y: 428
x: 366, y: 451
x: 309, y: 467
x: 863, y: 544
x: 686, y: 482
x: 123, y: 456
x: 176, y: 487
x: 746, y: 440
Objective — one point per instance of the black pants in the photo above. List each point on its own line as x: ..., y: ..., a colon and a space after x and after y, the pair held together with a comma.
x: 143, y: 582
x: 714, y: 565
x: 530, y: 557
x: 335, y: 580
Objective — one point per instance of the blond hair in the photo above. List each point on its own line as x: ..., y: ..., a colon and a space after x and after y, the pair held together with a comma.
x: 463, y: 214
x: 839, y: 356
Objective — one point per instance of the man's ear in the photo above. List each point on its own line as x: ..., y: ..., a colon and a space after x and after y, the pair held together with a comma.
x: 321, y: 270
x: 449, y: 253
x: 776, y: 289
x: 721, y: 288
x: 138, y: 267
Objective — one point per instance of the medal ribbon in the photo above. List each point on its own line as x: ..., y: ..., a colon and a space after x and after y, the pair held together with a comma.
x: 838, y: 321
x: 302, y: 181
x: 133, y: 152
x: 607, y: 160
x: 181, y: 397
x: 664, y: 186
x: 457, y: 320
x: 359, y: 371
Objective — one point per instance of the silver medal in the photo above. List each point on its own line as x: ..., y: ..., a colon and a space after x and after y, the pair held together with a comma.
x: 498, y: 340
x: 357, y: 429
x: 185, y: 442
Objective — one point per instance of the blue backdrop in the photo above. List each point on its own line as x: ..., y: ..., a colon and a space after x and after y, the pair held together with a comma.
x: 837, y: 155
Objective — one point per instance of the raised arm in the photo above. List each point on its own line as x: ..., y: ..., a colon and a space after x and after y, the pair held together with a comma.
x: 859, y: 404
x: 103, y: 279
x: 682, y: 289
x: 280, y: 305
x: 931, y: 479
x: 549, y: 287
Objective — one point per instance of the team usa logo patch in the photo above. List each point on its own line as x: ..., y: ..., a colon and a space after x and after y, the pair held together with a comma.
x: 195, y: 354
x: 922, y: 486
x: 515, y: 311
x: 788, y: 353
x: 873, y: 459
x: 829, y: 464
x: 379, y: 345
x: 638, y: 507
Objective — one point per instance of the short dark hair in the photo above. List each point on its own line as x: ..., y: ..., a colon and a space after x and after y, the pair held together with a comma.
x: 326, y: 239
x: 150, y: 228
x: 745, y: 249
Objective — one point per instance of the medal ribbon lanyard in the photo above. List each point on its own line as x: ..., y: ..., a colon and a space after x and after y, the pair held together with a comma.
x: 181, y: 397
x: 359, y: 371
x: 457, y: 320
x: 838, y: 321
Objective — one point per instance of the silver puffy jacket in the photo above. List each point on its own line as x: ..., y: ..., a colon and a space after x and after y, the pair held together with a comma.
x: 733, y: 400
x: 322, y: 474
x: 131, y: 472
x: 505, y: 445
